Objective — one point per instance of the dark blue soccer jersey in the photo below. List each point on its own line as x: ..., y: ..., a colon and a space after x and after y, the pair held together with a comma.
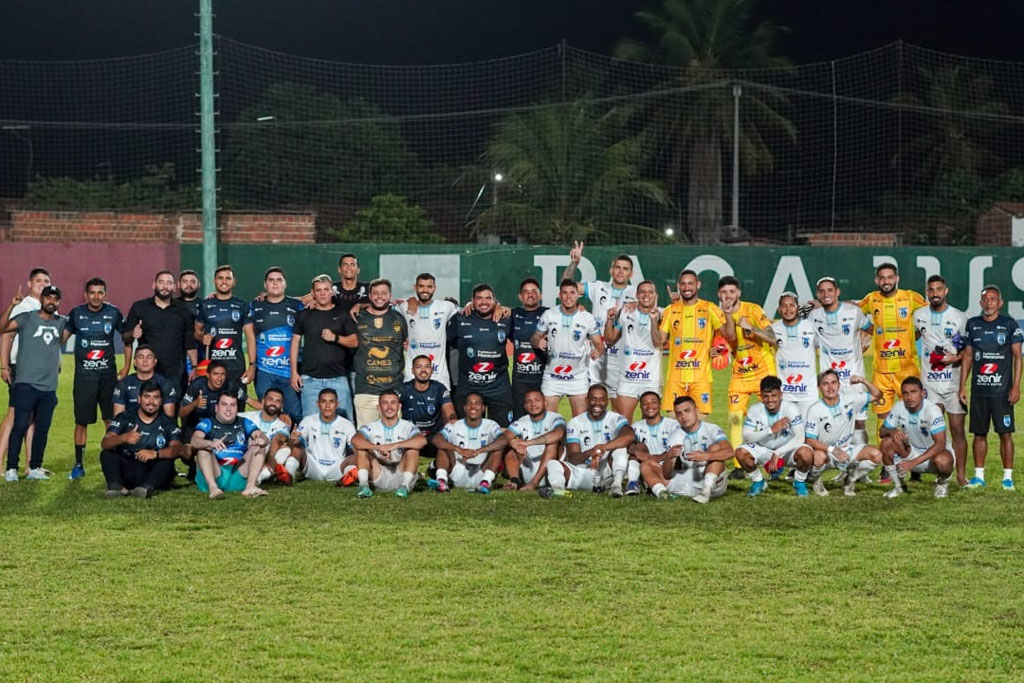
x: 94, y: 339
x: 528, y: 363
x: 990, y: 344
x: 224, y: 320
x: 483, y: 363
x: 423, y: 408
x: 155, y: 435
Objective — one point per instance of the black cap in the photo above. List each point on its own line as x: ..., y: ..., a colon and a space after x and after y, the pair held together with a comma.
x: 51, y: 290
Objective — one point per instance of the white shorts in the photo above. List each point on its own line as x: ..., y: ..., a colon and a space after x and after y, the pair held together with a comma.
x: 583, y: 477
x: 637, y: 389
x: 853, y: 449
x: 606, y: 370
x: 948, y: 399
x: 389, y: 479
x: 560, y: 387
x: 926, y: 467
x: 762, y: 454
x: 465, y: 476
x: 802, y: 407
x: 317, y: 471
x: 689, y: 482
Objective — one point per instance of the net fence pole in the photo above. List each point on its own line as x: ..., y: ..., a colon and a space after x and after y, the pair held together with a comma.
x: 207, y: 141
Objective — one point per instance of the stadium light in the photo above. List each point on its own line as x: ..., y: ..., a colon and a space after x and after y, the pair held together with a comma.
x: 260, y: 119
x: 498, y: 177
x: 669, y: 232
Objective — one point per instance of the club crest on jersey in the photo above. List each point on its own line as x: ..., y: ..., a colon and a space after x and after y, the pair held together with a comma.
x: 470, y: 353
x: 161, y: 441
x: 578, y: 335
x: 378, y: 323
x: 336, y: 441
x: 702, y: 323
x: 501, y: 337
x: 846, y: 328
x: 107, y: 328
x: 903, y: 312
x: 437, y: 323
x: 1001, y: 338
x: 291, y: 320
x: 807, y: 342
x: 431, y: 409
x: 705, y: 398
x: 236, y: 316
x: 84, y: 343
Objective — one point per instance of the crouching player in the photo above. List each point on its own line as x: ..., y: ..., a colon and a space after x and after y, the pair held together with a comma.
x: 829, y: 432
x: 697, y: 452
x: 321, y: 442
x: 652, y: 433
x: 229, y: 450
x: 595, y: 450
x: 914, y: 440
x: 469, y: 450
x: 387, y: 450
x: 534, y: 440
x: 773, y: 437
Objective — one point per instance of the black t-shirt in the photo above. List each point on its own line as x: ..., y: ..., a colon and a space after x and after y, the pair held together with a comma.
x: 225, y: 321
x: 201, y: 385
x: 991, y: 348
x: 345, y: 299
x: 321, y: 359
x: 170, y: 331
x: 423, y: 408
x: 528, y: 364
x: 483, y: 363
x: 380, y: 358
x: 156, y: 435
x: 126, y: 393
x: 94, y: 339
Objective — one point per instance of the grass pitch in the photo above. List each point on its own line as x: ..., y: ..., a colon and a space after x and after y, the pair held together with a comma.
x: 309, y: 583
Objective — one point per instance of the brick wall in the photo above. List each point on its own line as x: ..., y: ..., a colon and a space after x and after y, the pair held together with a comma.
x: 108, y: 226
x: 852, y: 239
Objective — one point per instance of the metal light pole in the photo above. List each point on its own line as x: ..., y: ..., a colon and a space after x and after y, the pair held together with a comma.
x: 737, y: 91
x: 207, y: 139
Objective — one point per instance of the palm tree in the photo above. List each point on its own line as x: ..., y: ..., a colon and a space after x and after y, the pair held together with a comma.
x: 569, y: 172
x: 708, y: 40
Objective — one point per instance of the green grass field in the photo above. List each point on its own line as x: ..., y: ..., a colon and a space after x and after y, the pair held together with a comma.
x: 309, y: 583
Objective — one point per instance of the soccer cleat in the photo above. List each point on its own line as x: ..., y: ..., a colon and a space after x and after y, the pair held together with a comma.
x: 365, y: 492
x: 915, y: 476
x: 777, y: 474
x: 77, y: 472
x: 11, y: 475
x: 819, y: 489
x: 1008, y: 485
x: 401, y: 492
x: 349, y: 478
x: 113, y: 493
x: 975, y: 483
x: 665, y: 495
x: 800, y: 487
x: 704, y: 497
x: 139, y: 492
x: 37, y: 474
x: 282, y: 475
x: 632, y: 488
x: 894, y: 492
x: 548, y: 492
x: 849, y: 488
x: 439, y: 485
x: 757, y: 488
x: 484, y: 488
x: 941, y: 490
x: 616, y: 491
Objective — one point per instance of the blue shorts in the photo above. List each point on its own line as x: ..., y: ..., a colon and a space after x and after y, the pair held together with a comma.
x: 229, y: 480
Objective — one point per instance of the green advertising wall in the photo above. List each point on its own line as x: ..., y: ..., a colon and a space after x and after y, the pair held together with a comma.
x: 764, y: 271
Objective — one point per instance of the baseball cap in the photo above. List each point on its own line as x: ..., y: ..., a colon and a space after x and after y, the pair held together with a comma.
x: 51, y: 290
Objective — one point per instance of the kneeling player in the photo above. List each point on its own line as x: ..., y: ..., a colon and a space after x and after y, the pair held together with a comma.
x: 773, y: 437
x: 830, y: 430
x: 534, y: 440
x: 652, y: 433
x: 914, y: 440
x: 387, y: 450
x: 229, y: 451
x: 469, y: 450
x: 695, y: 468
x: 595, y: 450
x: 323, y: 441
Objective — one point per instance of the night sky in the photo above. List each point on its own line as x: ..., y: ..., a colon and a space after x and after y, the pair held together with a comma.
x: 447, y: 31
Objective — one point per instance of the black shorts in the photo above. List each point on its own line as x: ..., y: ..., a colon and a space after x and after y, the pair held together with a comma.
x: 996, y: 410
x: 91, y: 392
x: 497, y: 399
x: 519, y: 391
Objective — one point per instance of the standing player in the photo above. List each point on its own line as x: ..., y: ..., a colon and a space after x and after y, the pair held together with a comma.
x: 230, y: 451
x: 529, y: 362
x: 796, y: 351
x: 829, y: 432
x: 534, y: 440
x: 167, y: 326
x: 387, y: 451
x: 220, y: 325
x: 914, y: 440
x: 572, y: 339
x: 639, y: 337
x: 268, y: 420
x: 469, y: 450
x: 426, y: 403
x: 940, y: 327
x: 427, y: 320
x: 268, y: 338
x: 596, y: 455
x: 323, y: 442
x: 773, y: 437
x: 653, y: 433
x: 94, y: 325
x: 695, y: 464
x: 993, y: 352
x: 483, y: 359
x: 605, y: 297
x: 690, y: 324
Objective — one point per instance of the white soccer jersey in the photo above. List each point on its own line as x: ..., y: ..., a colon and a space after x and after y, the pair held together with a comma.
x: 568, y: 343
x: 759, y: 420
x: 379, y: 433
x: 603, y: 297
x: 327, y: 442
x: 589, y: 433
x: 527, y: 428
x: 937, y: 330
x: 796, y: 360
x: 271, y: 428
x: 704, y: 437
x: 655, y: 436
x: 428, y: 336
x: 839, y: 338
x: 641, y: 361
x: 460, y: 434
x: 920, y: 427
x: 833, y: 425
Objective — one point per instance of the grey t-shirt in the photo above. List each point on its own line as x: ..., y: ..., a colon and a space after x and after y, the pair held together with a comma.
x: 39, y: 349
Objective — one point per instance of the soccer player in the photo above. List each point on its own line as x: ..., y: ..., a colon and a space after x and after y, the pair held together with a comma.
x: 637, y: 332
x: 268, y: 328
x: 483, y: 360
x: 914, y: 440
x: 140, y: 446
x: 427, y: 320
x: 469, y: 451
x: 604, y: 297
x: 220, y: 325
x: 167, y: 326
x: 829, y: 431
x: 94, y: 325
x: 323, y: 442
x: 940, y: 327
x: 653, y: 433
x: 572, y: 340
x: 841, y: 329
x: 752, y: 351
x: 890, y: 310
x: 690, y: 324
x: 230, y: 451
x: 534, y: 440
x: 126, y: 393
x: 426, y: 403
x: 695, y: 464
x: 773, y: 437
x: 387, y: 450
x: 316, y: 340
x: 993, y: 352
x: 34, y: 396
x: 269, y: 421
x: 528, y: 365
x: 796, y: 351
x: 596, y: 455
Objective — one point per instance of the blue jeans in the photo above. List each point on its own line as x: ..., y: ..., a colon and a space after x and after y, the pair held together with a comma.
x: 311, y: 387
x: 292, y: 403
x: 28, y: 402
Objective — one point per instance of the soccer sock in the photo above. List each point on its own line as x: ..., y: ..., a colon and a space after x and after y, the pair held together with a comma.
x: 292, y: 465
x: 79, y: 454
x: 556, y: 475
x: 800, y: 476
x: 620, y: 460
x: 263, y: 475
x: 348, y: 468
x: 860, y: 436
x: 407, y: 478
x: 862, y: 468
x: 364, y: 477
x: 816, y: 473
x: 755, y: 476
x: 735, y: 431
x: 281, y: 456
x: 442, y: 475
x: 1007, y: 473
x: 488, y: 476
x: 940, y: 480
x: 633, y: 471
x: 657, y: 489
x: 894, y: 475
x: 979, y: 473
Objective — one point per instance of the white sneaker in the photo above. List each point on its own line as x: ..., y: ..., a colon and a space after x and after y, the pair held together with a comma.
x: 11, y: 475
x: 703, y: 498
x: 616, y: 491
x: 848, y: 488
x: 894, y: 492
x: 38, y: 474
x: 819, y: 489
x: 942, y: 490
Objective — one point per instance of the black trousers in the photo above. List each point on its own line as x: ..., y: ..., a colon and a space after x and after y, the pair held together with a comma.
x: 124, y: 471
